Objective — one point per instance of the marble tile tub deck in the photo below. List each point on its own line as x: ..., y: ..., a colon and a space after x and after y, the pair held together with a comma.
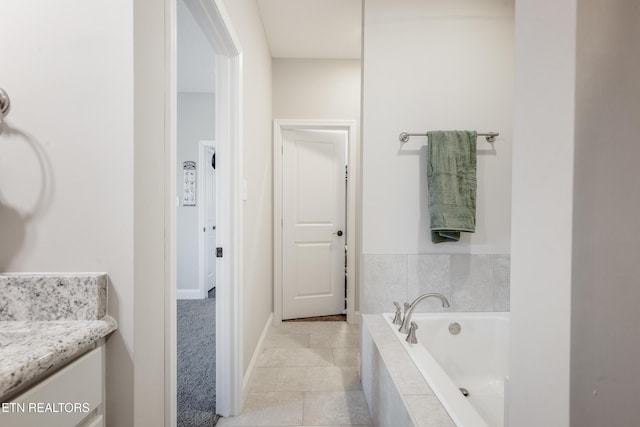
x: 394, y: 387
x: 307, y: 375
x: 47, y: 320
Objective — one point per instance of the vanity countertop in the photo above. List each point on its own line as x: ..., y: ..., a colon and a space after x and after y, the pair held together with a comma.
x: 47, y: 320
x: 29, y: 349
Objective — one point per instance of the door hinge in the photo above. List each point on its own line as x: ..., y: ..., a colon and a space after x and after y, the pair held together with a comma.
x: 218, y: 252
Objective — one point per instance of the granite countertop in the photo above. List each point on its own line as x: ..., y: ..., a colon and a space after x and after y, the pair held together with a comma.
x: 46, y: 320
x: 30, y: 349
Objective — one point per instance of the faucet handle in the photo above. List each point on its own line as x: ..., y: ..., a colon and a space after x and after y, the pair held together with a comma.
x: 397, y: 320
x: 411, y: 338
x: 407, y: 306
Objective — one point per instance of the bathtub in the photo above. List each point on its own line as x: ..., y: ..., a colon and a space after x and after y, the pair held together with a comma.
x: 476, y: 359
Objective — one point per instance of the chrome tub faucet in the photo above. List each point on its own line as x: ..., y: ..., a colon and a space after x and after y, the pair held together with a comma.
x: 397, y: 319
x: 406, y: 321
x: 411, y: 338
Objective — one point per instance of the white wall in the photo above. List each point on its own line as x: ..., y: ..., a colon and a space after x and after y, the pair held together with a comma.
x: 430, y: 66
x: 152, y: 307
x: 316, y: 89
x: 257, y: 257
x: 66, y: 157
x: 605, y: 339
x: 195, y: 123
x: 542, y: 213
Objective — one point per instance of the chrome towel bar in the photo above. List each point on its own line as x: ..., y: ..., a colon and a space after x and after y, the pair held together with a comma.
x: 490, y: 136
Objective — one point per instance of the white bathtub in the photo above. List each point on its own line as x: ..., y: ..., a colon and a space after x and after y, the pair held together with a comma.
x: 476, y: 359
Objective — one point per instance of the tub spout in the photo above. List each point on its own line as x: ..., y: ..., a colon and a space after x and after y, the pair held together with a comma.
x: 404, y: 328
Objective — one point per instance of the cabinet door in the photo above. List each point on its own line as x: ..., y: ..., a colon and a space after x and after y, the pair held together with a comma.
x: 62, y: 400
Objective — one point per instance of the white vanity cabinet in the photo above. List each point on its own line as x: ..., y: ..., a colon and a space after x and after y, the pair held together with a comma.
x: 71, y: 397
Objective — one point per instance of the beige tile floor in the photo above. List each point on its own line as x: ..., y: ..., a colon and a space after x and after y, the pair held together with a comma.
x: 306, y: 376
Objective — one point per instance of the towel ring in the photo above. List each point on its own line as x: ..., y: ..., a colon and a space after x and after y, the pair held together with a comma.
x: 5, y: 106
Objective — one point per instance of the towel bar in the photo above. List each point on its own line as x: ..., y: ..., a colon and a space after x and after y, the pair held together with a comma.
x: 490, y: 136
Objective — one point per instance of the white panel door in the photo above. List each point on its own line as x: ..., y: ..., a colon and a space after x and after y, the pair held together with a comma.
x: 210, y: 222
x: 313, y: 223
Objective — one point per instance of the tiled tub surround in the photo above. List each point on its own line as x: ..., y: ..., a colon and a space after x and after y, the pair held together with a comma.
x: 470, y: 282
x: 394, y: 388
x: 46, y: 320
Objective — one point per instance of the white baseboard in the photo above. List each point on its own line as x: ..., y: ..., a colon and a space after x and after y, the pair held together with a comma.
x: 248, y: 376
x: 354, y: 319
x: 188, y: 294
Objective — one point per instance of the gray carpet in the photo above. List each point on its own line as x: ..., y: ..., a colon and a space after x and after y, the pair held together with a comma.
x: 196, y: 363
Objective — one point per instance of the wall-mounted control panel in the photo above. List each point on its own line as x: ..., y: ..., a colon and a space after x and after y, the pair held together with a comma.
x: 189, y: 183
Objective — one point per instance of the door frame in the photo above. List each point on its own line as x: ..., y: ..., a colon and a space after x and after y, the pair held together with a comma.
x: 215, y: 22
x: 279, y: 126
x: 202, y: 214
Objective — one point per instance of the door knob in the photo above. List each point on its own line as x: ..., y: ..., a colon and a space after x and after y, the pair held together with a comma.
x: 339, y: 233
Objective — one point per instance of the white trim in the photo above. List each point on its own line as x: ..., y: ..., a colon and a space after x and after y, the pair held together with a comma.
x: 277, y: 222
x: 188, y: 294
x: 201, y: 201
x: 171, y: 214
x: 213, y: 19
x: 248, y: 376
x: 352, y: 230
x: 237, y: 148
x: 356, y: 319
x: 224, y: 380
x: 350, y: 126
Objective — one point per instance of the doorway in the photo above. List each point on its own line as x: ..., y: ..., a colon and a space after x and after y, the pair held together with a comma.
x: 218, y: 261
x: 195, y: 312
x: 314, y: 209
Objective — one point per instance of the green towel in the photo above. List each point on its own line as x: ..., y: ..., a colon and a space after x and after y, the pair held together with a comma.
x: 451, y: 178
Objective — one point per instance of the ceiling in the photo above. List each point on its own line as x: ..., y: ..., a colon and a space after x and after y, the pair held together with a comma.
x: 313, y: 28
